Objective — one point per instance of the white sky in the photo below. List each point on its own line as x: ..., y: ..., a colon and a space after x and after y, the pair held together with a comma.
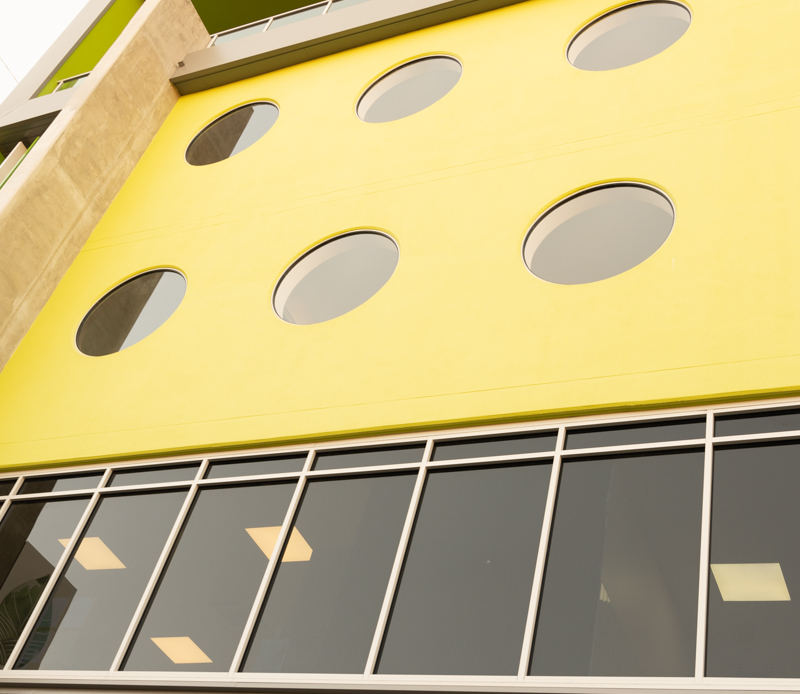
x: 27, y: 29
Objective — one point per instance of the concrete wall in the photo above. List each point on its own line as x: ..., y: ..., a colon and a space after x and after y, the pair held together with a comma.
x: 59, y: 193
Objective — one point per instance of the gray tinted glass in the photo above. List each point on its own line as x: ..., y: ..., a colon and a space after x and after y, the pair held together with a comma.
x: 131, y: 312
x: 629, y: 35
x: 335, y: 277
x: 754, y: 582
x: 620, y: 586
x: 632, y: 434
x: 296, y: 17
x: 103, y: 584
x: 494, y: 445
x: 198, y: 614
x: 409, y: 89
x: 598, y: 234
x: 324, y: 603
x: 154, y: 475
x: 6, y: 487
x: 756, y: 422
x: 261, y: 465
x: 466, y: 583
x: 29, y: 551
x: 362, y: 457
x: 232, y: 133
x: 240, y: 34
x: 41, y: 485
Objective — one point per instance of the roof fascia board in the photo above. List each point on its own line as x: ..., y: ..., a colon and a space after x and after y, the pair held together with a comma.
x: 317, y: 37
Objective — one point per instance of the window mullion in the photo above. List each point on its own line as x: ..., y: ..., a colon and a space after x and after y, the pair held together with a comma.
x: 56, y: 575
x: 272, y: 567
x: 705, y: 549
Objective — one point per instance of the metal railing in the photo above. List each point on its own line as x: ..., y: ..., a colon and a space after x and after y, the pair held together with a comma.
x: 260, y: 26
x: 70, y: 82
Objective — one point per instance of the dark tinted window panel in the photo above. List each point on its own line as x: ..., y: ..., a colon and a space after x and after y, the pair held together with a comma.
x: 196, y: 619
x: 465, y: 589
x: 495, y: 445
x: 103, y: 584
x: 619, y: 597
x: 154, y: 475
x: 260, y: 465
x: 30, y: 548
x: 326, y: 597
x: 365, y: 457
x: 6, y: 486
x: 633, y: 434
x: 745, y: 423
x: 41, y: 485
x: 754, y: 578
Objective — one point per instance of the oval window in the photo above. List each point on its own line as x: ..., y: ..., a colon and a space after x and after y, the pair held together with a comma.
x: 409, y: 89
x: 335, y: 277
x: 130, y: 312
x: 231, y: 133
x: 628, y: 35
x: 598, y: 233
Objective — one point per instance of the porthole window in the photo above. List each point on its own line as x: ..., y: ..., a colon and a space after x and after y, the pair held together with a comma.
x: 409, y: 89
x: 335, y: 277
x: 628, y: 35
x: 231, y: 133
x: 598, y: 233
x: 130, y: 312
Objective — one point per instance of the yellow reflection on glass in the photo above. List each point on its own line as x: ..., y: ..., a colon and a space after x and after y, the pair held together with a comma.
x: 297, y: 549
x: 751, y: 582
x: 181, y: 650
x: 93, y: 555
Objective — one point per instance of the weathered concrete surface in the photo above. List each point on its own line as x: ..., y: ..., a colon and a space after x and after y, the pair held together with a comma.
x: 57, y: 196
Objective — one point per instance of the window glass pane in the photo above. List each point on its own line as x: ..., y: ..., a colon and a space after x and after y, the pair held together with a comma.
x: 104, y: 581
x: 154, y: 475
x: 231, y: 133
x: 754, y: 582
x: 296, y: 16
x: 363, y: 457
x: 42, y: 485
x: 29, y: 551
x: 324, y: 603
x: 130, y: 312
x: 6, y: 486
x: 466, y: 584
x: 744, y: 423
x: 340, y: 4
x: 262, y: 465
x: 198, y: 614
x: 240, y: 34
x: 495, y: 445
x: 632, y: 434
x: 620, y: 588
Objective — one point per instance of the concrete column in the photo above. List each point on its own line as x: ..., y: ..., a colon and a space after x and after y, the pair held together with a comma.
x: 59, y: 193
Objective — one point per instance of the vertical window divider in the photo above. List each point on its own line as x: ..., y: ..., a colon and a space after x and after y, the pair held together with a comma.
x: 267, y: 25
x: 158, y: 569
x: 7, y: 503
x: 56, y: 575
x: 328, y: 6
x: 541, y: 556
x: 272, y: 567
x: 402, y: 547
x: 705, y: 551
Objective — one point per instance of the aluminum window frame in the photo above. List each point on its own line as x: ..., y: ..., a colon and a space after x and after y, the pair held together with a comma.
x: 116, y: 678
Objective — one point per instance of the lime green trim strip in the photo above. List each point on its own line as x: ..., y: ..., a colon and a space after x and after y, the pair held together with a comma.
x: 11, y: 173
x: 89, y: 52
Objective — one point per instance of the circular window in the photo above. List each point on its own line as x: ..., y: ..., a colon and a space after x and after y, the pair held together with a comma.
x: 598, y: 233
x: 408, y: 89
x: 335, y: 277
x: 628, y: 35
x: 231, y: 133
x: 130, y: 312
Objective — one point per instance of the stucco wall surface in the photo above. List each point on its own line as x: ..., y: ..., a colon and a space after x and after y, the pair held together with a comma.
x: 462, y: 332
